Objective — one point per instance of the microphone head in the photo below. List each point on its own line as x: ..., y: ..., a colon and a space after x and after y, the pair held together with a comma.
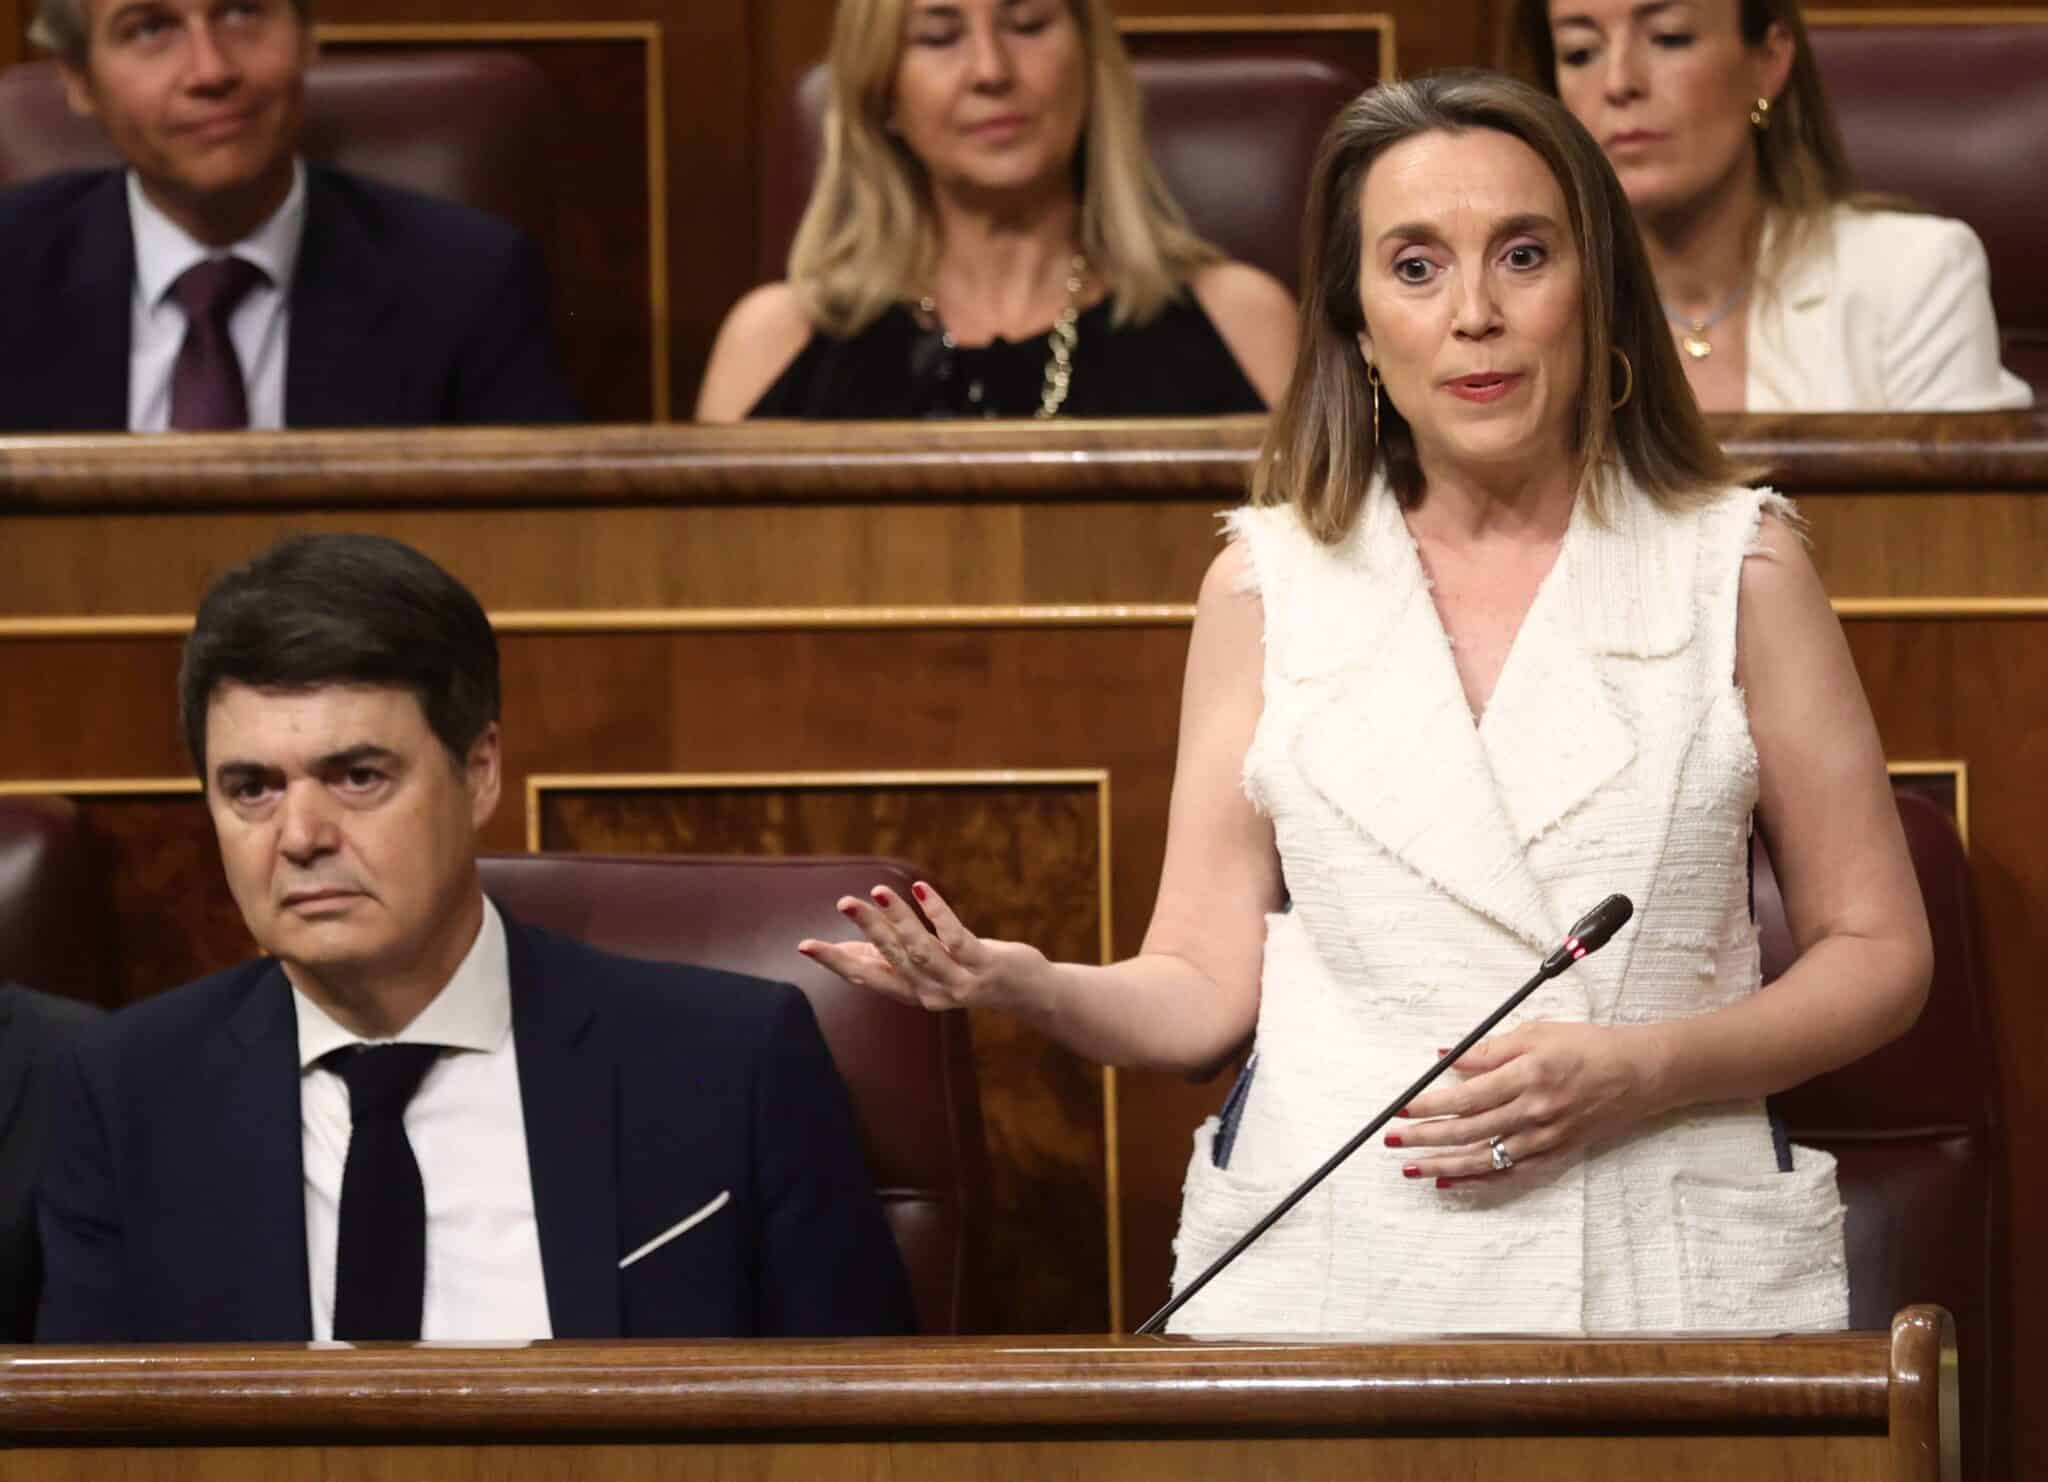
x: 1592, y: 932
x: 1597, y: 927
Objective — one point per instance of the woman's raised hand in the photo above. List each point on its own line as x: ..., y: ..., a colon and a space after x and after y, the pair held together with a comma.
x: 946, y: 967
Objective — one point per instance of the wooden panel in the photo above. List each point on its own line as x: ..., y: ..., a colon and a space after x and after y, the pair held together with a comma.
x: 1308, y: 1459
x: 1023, y: 859
x: 1849, y: 1408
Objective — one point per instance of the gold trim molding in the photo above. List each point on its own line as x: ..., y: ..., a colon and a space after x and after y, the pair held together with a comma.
x: 1958, y: 772
x: 655, y: 106
x: 532, y: 622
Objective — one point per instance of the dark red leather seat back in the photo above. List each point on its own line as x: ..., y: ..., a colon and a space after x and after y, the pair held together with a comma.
x: 1955, y: 118
x: 53, y: 910
x: 1915, y: 1130
x: 473, y: 127
x: 1234, y: 136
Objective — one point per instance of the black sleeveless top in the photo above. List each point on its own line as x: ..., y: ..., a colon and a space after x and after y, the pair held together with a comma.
x: 1175, y: 366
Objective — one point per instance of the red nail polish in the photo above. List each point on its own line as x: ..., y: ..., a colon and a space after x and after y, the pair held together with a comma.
x: 850, y: 911
x: 1442, y: 1050
x: 1393, y: 1140
x: 1409, y: 1170
x: 920, y: 892
x: 1445, y: 1183
x: 881, y: 896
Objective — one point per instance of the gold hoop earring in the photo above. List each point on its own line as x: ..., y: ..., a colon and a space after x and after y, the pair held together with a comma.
x: 1372, y: 379
x: 1628, y: 379
x: 1760, y: 116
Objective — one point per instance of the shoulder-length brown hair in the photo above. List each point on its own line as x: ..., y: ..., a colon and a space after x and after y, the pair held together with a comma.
x: 1802, y: 164
x: 1320, y: 449
x: 868, y: 239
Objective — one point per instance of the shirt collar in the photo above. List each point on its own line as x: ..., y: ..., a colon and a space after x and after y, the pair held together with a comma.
x: 473, y: 1012
x: 164, y: 250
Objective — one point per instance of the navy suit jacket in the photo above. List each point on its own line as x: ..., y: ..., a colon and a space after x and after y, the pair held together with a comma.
x: 32, y: 1028
x: 406, y: 311
x: 173, y: 1206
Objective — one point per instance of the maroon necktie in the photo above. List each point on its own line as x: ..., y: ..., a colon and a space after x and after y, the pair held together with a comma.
x: 206, y: 381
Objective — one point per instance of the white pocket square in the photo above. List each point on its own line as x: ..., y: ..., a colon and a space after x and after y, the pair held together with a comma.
x: 680, y: 1227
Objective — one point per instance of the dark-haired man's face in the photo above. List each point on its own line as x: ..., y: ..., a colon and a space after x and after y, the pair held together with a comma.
x: 348, y: 834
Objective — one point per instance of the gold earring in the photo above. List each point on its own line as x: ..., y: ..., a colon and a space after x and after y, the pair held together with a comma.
x: 1760, y: 116
x: 1372, y: 379
x: 1628, y: 379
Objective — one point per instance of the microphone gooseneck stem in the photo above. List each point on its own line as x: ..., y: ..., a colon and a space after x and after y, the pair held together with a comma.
x: 1180, y: 1299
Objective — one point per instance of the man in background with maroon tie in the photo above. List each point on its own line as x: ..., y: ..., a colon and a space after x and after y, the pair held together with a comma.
x: 221, y: 282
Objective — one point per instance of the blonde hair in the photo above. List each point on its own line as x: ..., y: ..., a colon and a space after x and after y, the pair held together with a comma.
x: 1802, y: 165
x: 868, y: 238
x: 1321, y: 446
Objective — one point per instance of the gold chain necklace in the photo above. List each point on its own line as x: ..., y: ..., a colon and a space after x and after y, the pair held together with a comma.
x: 1064, y: 336
x: 1694, y: 340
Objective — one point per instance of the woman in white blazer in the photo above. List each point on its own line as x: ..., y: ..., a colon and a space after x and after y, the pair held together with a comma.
x: 1496, y: 637
x: 1785, y: 289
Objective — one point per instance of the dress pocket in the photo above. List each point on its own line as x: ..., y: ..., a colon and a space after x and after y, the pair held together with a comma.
x: 1763, y: 1253
x: 1281, y: 1283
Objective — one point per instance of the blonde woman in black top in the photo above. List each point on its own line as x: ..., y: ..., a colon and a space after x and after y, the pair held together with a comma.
x: 987, y: 236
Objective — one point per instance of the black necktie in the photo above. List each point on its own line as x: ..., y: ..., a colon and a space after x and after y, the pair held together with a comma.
x: 380, y: 1258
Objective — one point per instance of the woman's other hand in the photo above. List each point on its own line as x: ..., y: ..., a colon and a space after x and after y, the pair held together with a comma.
x: 1540, y: 1089
x: 944, y: 967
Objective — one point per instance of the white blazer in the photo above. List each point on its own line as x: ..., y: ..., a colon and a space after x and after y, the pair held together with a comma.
x: 1882, y: 311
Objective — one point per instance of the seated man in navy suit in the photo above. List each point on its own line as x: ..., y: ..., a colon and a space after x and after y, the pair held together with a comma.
x: 417, y: 1117
x: 33, y: 1028
x: 219, y: 281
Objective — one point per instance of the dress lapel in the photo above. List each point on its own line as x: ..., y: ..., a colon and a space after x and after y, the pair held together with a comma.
x: 1553, y: 732
x: 567, y: 1088
x: 1391, y: 744
x: 260, y: 1190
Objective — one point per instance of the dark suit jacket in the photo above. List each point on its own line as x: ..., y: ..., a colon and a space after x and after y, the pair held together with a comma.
x: 405, y: 310
x: 173, y: 1200
x: 33, y: 1026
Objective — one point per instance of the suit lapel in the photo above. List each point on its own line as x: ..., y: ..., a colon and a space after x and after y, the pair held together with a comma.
x: 338, y: 372
x: 83, y: 383
x: 566, y: 1086
x: 1392, y: 746
x: 260, y: 1188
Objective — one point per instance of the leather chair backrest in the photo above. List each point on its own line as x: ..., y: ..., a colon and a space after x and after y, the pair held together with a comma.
x: 1914, y: 1128
x: 1955, y: 118
x: 473, y: 127
x: 910, y: 1073
x: 53, y: 911
x: 1234, y: 137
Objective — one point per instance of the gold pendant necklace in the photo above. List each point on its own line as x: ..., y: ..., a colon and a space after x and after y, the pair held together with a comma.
x: 1060, y: 342
x: 1693, y: 340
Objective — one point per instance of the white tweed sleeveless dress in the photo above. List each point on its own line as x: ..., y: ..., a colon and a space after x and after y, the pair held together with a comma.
x: 1429, y: 863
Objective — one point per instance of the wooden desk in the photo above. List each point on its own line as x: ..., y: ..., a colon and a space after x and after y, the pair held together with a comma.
x: 962, y: 644
x: 1856, y: 1407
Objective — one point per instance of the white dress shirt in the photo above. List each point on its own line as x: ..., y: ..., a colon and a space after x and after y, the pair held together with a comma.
x: 258, y: 326
x: 468, y: 1130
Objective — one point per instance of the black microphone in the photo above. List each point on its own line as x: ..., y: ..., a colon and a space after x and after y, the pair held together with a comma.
x: 1592, y: 932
